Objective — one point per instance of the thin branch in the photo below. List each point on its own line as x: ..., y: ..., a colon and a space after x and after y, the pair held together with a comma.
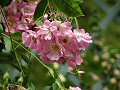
x: 76, y: 22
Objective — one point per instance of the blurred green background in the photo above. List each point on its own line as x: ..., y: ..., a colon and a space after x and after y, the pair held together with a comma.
x: 101, y: 60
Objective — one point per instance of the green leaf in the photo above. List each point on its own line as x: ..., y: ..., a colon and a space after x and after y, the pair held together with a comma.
x: 55, y: 87
x: 7, y: 44
x: 1, y: 29
x: 5, y: 2
x: 16, y: 36
x: 74, y: 79
x: 64, y: 69
x: 40, y: 9
x: 31, y: 86
x: 70, y: 8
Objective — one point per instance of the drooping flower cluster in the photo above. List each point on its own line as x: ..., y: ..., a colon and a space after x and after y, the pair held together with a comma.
x: 57, y: 42
x: 54, y: 41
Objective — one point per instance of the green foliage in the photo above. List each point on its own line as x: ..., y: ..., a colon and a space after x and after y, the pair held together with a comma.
x: 5, y: 2
x: 40, y: 9
x: 31, y: 86
x: 101, y: 61
x: 1, y: 29
x: 70, y: 8
x: 63, y: 5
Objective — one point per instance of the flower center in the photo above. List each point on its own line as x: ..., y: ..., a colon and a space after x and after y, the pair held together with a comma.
x: 66, y: 40
x: 55, y: 47
x: 34, y: 39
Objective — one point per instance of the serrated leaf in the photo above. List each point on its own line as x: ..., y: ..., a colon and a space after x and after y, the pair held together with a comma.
x: 40, y: 9
x: 5, y: 2
x: 70, y: 8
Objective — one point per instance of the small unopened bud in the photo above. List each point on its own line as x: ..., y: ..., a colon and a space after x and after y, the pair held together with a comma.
x: 6, y: 75
x: 95, y: 77
x: 104, y: 64
x: 20, y: 80
x: 56, y: 65
x: 62, y: 78
x: 113, y: 81
x: 116, y: 72
x: 45, y: 16
x: 96, y: 58
x: 106, y: 88
x: 80, y: 72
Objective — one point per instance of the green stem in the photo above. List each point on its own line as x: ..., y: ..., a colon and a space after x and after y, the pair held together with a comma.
x: 36, y: 21
x: 48, y: 68
x: 76, y: 22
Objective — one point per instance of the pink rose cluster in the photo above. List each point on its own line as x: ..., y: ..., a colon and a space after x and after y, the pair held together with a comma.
x: 57, y: 42
x: 54, y: 41
x: 18, y: 13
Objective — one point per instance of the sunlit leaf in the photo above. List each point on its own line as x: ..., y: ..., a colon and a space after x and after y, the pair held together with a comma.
x: 71, y: 7
x: 40, y: 9
x: 1, y: 29
x: 31, y: 86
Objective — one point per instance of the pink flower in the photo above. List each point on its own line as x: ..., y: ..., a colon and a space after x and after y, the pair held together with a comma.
x: 56, y: 42
x: 27, y: 8
x: 70, y: 48
x: 30, y: 39
x: 13, y: 16
x: 74, y: 60
x: 12, y: 10
x: 84, y: 39
x: 66, y: 25
x: 49, y: 49
x: 74, y: 88
x: 17, y: 14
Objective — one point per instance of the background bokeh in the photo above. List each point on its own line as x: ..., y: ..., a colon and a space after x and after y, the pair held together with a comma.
x: 101, y: 60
